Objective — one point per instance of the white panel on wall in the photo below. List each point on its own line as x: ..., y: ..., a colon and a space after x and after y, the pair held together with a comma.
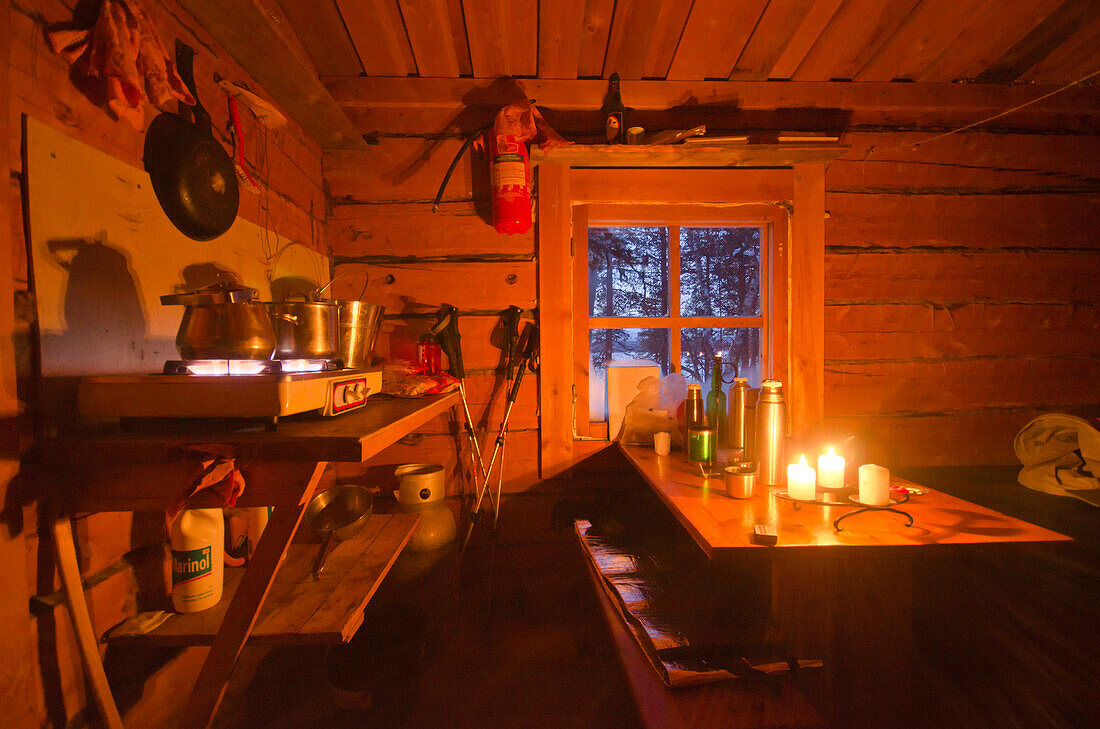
x: 103, y: 252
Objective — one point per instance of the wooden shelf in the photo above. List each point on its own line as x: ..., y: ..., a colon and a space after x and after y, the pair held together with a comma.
x: 298, y: 608
x: 354, y: 436
x: 721, y: 525
x: 696, y: 154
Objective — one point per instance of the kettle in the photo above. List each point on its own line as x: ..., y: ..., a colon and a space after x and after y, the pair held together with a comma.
x: 223, y: 321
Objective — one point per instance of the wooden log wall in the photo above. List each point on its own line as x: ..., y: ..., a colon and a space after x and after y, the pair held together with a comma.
x: 292, y: 204
x: 412, y: 261
x: 959, y: 294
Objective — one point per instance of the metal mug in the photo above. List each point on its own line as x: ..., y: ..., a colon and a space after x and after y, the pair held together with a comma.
x: 740, y: 480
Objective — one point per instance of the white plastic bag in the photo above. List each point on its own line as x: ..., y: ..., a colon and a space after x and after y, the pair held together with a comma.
x: 653, y: 410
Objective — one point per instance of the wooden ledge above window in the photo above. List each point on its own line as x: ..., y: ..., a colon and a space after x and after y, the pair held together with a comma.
x: 695, y: 154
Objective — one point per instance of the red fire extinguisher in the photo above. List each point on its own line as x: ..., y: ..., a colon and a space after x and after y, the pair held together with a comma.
x: 510, y: 175
x: 509, y: 163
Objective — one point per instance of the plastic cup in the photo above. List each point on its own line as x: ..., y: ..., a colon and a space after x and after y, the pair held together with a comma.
x: 662, y: 443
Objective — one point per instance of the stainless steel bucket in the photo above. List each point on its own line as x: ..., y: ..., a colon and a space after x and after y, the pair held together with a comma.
x: 358, y: 324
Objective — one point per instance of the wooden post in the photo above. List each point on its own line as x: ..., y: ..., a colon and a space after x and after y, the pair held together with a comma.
x: 20, y: 698
x: 806, y: 390
x: 555, y: 294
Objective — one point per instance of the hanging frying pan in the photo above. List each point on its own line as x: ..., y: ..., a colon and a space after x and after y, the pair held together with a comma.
x: 192, y: 176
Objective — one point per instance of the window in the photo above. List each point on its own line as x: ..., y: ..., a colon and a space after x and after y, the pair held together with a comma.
x: 793, y: 347
x: 673, y: 285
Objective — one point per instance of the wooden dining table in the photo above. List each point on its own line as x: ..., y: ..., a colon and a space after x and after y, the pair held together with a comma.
x: 844, y: 595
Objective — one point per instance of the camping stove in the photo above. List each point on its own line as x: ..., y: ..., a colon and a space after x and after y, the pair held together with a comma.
x: 230, y: 389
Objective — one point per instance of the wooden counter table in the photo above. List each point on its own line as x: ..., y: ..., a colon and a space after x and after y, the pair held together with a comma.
x: 721, y: 525
x: 844, y: 596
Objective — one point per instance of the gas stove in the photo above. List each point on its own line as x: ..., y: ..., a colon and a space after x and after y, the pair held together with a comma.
x: 230, y: 389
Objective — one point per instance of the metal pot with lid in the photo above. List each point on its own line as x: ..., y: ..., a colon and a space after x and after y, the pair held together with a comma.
x: 223, y: 321
x: 304, y: 329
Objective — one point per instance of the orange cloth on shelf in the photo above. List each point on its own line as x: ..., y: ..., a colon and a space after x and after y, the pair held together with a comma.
x: 122, y: 59
x: 219, y: 472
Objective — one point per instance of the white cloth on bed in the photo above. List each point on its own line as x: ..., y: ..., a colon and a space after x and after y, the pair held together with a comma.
x: 1061, y: 456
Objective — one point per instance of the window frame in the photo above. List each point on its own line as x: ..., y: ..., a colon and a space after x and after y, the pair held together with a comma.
x: 800, y: 188
x: 773, y: 222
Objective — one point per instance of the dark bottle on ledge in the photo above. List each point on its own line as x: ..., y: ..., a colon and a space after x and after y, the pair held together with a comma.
x: 613, y: 112
x: 716, y: 402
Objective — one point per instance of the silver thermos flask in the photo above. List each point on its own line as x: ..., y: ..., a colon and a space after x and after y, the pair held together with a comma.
x: 771, y: 431
x: 739, y: 394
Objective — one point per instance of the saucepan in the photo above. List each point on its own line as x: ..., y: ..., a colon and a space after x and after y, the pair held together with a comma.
x: 335, y: 515
x: 222, y: 321
x: 304, y: 329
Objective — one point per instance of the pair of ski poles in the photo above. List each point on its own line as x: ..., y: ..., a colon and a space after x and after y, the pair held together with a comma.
x: 522, y: 356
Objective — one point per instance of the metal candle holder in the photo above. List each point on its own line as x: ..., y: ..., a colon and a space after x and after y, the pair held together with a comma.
x: 868, y: 507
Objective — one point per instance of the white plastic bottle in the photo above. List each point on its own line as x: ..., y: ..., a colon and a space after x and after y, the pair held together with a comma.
x: 197, y: 543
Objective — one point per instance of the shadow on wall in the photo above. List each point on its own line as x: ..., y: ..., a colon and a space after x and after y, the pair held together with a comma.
x: 102, y: 308
x: 481, y: 107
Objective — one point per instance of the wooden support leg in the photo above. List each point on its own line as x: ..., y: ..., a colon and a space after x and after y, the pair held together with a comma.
x: 247, y: 601
x: 82, y: 622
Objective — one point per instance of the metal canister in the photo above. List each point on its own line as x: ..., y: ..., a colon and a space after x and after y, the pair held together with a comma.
x: 738, y: 397
x: 702, y: 445
x: 771, y: 432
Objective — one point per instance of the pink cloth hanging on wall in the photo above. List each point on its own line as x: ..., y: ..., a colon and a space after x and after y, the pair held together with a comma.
x: 121, y: 61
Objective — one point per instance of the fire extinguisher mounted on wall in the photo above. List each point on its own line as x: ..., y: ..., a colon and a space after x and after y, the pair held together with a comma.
x: 505, y: 143
x: 510, y: 181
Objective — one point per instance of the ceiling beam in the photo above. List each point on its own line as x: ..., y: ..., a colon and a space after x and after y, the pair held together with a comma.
x: 583, y: 94
x: 257, y: 35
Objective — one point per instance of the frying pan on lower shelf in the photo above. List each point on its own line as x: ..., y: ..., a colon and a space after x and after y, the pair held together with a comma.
x: 337, y: 514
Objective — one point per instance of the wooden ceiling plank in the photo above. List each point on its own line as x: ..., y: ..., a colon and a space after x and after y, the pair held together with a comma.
x: 1074, y: 59
x: 713, y: 38
x: 774, y: 32
x: 596, y: 29
x: 487, y: 35
x: 631, y: 33
x: 268, y: 51
x: 811, y: 28
x: 671, y: 18
x: 854, y: 35
x: 561, y: 27
x: 523, y: 33
x: 379, y: 36
x: 461, y: 44
x: 431, y: 37
x: 321, y: 30
x: 1043, y: 39
x: 990, y: 33
x: 929, y: 30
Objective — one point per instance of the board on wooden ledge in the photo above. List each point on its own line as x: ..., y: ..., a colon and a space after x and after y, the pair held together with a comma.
x: 698, y: 154
x: 351, y: 437
x: 299, y: 608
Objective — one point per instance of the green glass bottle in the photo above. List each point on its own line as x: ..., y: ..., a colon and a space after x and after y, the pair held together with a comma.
x: 716, y: 402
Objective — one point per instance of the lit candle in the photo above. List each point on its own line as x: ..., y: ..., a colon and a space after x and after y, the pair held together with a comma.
x: 874, y: 485
x: 830, y: 470
x: 801, y: 481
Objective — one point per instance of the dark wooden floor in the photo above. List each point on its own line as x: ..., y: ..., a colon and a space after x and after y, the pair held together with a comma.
x: 536, y: 657
x: 1003, y: 637
x: 1010, y: 637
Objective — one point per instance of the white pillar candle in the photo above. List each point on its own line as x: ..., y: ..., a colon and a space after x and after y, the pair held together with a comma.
x: 801, y: 481
x: 830, y: 470
x: 874, y: 485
